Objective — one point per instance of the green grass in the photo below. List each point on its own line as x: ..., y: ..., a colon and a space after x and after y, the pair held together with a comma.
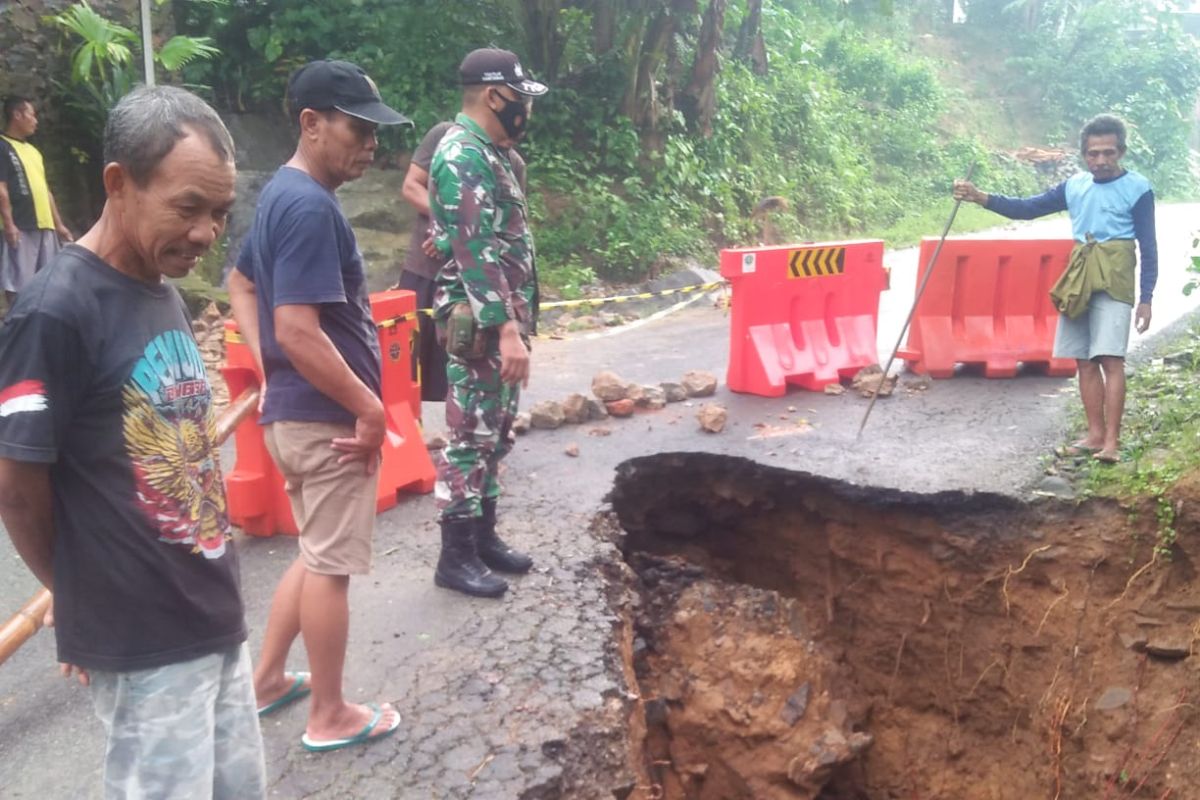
x: 566, y: 281
x: 932, y: 221
x: 1160, y: 435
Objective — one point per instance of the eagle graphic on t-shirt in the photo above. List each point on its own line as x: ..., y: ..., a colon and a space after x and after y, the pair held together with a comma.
x: 171, y: 446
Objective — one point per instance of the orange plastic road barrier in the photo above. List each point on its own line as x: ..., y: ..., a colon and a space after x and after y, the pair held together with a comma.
x: 254, y: 490
x: 395, y: 312
x: 406, y: 464
x: 988, y: 303
x: 802, y: 314
x: 258, y: 503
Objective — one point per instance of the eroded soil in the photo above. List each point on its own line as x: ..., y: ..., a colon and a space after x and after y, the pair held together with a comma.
x: 791, y: 637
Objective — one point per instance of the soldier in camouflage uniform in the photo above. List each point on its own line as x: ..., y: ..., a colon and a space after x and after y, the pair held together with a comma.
x: 486, y: 307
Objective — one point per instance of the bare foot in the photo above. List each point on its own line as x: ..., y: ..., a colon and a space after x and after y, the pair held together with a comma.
x: 1107, y: 456
x: 351, y: 722
x: 1083, y: 447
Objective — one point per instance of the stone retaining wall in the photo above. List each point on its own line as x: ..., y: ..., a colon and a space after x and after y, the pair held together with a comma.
x: 33, y: 56
x: 31, y: 53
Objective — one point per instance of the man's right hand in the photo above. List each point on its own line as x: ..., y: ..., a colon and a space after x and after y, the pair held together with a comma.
x: 514, y: 355
x: 965, y: 190
x: 63, y: 667
x: 429, y: 248
x: 369, y: 432
x: 12, y: 235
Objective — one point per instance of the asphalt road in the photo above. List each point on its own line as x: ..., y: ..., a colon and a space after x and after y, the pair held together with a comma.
x: 489, y: 690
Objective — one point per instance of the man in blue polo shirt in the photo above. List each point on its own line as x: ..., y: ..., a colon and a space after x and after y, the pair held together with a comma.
x: 299, y: 295
x: 1111, y: 208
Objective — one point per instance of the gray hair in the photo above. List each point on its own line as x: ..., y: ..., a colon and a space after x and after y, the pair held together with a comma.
x: 145, y: 125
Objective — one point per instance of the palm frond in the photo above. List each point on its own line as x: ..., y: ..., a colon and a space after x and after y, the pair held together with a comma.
x: 179, y: 51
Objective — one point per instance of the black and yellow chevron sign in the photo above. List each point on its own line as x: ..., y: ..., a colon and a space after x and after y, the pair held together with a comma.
x: 817, y: 262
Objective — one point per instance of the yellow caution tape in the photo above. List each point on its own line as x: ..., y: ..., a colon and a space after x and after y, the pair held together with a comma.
x: 409, y: 317
x: 594, y: 301
x: 597, y: 301
x: 233, y: 337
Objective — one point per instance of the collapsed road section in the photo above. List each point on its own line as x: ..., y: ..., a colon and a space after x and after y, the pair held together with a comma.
x: 787, y: 636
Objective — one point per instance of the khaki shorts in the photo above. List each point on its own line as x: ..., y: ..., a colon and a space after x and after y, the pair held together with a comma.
x: 334, y: 504
x: 1102, y: 330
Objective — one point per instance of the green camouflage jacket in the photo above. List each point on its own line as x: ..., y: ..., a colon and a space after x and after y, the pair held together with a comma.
x: 480, y: 224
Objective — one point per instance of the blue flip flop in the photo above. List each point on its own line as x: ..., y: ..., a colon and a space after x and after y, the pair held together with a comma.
x: 301, y: 687
x: 322, y: 746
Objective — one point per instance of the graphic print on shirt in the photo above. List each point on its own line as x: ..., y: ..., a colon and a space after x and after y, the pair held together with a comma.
x: 23, y: 396
x: 18, y: 171
x: 170, y: 435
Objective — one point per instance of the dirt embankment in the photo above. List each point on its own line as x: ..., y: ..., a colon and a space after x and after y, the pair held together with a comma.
x: 797, y: 638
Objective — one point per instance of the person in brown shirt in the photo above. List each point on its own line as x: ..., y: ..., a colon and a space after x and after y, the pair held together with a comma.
x: 421, y: 262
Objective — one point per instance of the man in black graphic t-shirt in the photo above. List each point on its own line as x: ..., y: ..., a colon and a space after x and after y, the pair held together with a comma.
x: 110, y: 485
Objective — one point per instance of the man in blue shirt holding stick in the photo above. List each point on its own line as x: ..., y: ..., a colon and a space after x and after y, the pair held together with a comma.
x: 1110, y: 208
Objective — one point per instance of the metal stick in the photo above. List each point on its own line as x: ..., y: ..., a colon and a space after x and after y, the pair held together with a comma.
x: 912, y: 311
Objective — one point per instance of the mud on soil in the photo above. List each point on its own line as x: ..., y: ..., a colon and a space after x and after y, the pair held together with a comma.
x: 791, y: 637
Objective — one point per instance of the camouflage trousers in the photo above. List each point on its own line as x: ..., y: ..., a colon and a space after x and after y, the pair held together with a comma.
x: 186, y: 731
x: 480, y: 409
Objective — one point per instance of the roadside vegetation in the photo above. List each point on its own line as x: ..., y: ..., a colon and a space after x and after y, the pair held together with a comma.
x: 1159, y: 436
x: 669, y: 120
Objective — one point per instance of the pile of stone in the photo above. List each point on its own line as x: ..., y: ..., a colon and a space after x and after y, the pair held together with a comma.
x: 209, y: 329
x: 870, y: 381
x: 613, y: 396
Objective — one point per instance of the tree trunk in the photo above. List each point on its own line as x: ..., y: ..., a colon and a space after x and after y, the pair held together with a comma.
x: 631, y: 58
x: 604, y: 26
x: 751, y: 47
x: 539, y: 20
x: 699, y: 99
x: 644, y: 105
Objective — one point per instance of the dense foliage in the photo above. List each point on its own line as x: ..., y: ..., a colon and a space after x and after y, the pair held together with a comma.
x: 1127, y: 57
x: 669, y: 120
x: 105, y: 64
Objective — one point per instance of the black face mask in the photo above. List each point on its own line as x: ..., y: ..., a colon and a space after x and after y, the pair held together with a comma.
x: 513, y: 117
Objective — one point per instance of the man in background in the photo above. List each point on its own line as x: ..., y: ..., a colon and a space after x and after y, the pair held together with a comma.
x: 422, y: 262
x: 32, y: 225
x: 1111, y: 209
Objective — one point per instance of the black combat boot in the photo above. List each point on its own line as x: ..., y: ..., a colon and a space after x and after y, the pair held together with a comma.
x: 492, y: 550
x: 459, y: 567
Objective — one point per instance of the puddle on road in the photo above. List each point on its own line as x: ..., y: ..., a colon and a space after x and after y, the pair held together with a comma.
x: 794, y: 637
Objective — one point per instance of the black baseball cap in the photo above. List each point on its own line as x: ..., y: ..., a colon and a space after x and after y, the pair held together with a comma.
x: 491, y: 65
x: 322, y: 85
